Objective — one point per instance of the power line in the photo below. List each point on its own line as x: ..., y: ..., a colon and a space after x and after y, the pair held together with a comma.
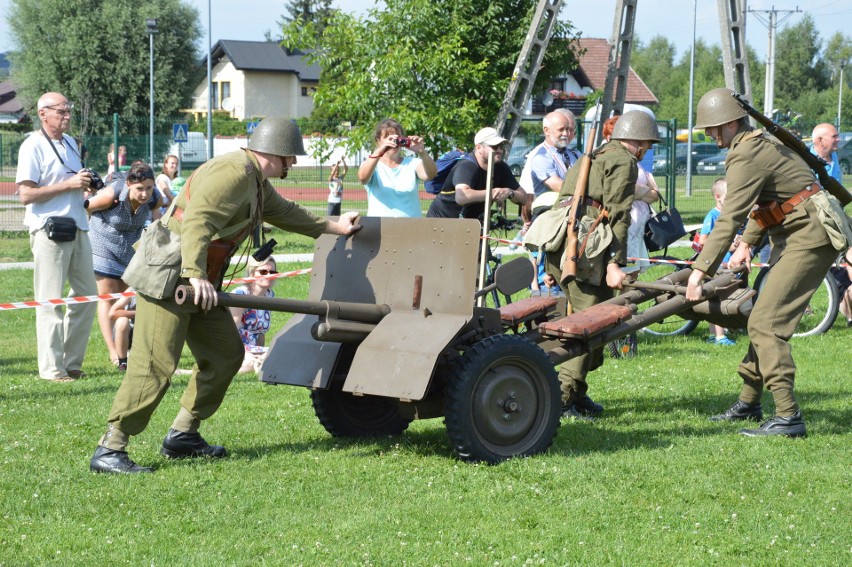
x: 771, y: 22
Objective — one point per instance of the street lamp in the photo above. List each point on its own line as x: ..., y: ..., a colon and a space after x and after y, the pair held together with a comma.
x: 151, y: 29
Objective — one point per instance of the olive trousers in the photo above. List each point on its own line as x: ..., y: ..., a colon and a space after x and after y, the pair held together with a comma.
x: 788, y: 288
x: 572, y: 373
x: 161, y: 329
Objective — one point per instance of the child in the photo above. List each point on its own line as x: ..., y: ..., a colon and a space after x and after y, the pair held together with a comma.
x: 335, y: 187
x: 720, y: 190
x: 123, y: 312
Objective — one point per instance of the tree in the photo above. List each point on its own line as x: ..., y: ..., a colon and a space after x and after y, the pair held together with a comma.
x: 440, y: 67
x: 97, y: 53
x: 798, y: 65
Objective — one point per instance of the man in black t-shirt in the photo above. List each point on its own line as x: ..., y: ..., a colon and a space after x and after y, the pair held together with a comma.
x: 463, y: 194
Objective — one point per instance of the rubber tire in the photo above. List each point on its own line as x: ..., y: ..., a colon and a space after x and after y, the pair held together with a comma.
x: 827, y: 300
x: 495, y: 372
x: 625, y: 347
x: 674, y: 325
x: 680, y: 169
x: 516, y: 170
x: 345, y: 415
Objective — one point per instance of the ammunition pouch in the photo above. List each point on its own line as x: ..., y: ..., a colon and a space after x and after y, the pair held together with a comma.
x: 769, y: 215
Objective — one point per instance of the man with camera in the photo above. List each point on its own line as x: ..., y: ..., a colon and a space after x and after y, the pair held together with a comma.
x: 51, y: 181
x: 463, y: 193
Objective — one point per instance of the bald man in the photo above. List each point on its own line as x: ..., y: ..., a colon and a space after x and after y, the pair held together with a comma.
x: 826, y: 139
x: 52, y: 179
x: 550, y: 160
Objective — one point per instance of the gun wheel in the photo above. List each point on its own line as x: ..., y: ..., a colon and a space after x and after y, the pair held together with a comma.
x: 503, y: 401
x: 345, y: 415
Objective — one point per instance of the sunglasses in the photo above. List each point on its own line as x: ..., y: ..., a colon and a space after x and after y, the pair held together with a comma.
x: 265, y: 272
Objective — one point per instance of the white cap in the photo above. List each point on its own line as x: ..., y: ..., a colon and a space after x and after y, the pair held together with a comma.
x: 489, y: 137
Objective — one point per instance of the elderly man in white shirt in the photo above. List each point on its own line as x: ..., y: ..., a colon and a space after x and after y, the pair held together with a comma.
x: 52, y: 180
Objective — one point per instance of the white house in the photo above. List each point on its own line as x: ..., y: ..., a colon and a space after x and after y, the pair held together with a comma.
x: 254, y: 79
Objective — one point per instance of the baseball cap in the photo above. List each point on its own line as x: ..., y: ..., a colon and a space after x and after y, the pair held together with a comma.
x: 489, y: 137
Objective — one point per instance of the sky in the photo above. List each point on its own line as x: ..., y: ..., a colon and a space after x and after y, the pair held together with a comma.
x: 250, y: 19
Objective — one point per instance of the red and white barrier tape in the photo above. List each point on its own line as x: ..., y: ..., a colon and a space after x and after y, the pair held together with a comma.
x: 109, y: 296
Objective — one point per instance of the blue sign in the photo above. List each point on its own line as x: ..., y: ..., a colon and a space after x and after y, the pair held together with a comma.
x: 180, y: 132
x: 250, y: 127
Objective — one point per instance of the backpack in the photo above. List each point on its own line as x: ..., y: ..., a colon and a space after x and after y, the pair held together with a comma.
x: 445, y: 165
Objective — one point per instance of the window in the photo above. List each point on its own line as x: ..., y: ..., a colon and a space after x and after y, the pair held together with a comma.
x: 221, y: 91
x: 226, y: 90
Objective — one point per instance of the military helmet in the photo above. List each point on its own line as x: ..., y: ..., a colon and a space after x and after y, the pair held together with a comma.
x: 718, y: 107
x: 636, y: 125
x: 277, y: 136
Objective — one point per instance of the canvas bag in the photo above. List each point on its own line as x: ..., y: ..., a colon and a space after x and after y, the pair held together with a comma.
x: 547, y: 232
x: 837, y: 225
x: 155, y: 267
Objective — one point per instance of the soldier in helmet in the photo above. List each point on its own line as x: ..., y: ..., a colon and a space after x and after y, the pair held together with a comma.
x: 225, y: 198
x: 612, y: 182
x: 763, y: 172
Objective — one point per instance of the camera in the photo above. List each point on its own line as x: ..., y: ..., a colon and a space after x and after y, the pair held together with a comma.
x: 403, y: 142
x: 96, y: 184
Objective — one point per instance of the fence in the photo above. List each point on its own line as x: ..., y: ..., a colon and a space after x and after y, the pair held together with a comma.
x: 307, y: 183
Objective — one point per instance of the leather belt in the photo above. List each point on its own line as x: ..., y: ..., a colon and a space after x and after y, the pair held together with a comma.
x: 588, y: 201
x: 803, y: 195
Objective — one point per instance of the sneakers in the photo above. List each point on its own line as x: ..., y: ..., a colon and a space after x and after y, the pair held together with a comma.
x: 723, y: 340
x: 740, y: 411
x: 792, y: 426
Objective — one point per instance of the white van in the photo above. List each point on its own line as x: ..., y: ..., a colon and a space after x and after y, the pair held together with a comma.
x: 191, y: 153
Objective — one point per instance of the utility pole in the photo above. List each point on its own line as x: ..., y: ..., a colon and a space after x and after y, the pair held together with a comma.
x: 840, y: 97
x: 771, y: 21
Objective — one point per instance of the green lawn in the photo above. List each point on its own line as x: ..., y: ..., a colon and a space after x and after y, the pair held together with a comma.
x: 651, y: 483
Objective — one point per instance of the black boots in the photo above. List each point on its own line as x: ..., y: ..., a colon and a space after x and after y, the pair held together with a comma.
x: 793, y: 426
x: 583, y: 407
x: 179, y: 445
x: 740, y: 411
x: 114, y: 462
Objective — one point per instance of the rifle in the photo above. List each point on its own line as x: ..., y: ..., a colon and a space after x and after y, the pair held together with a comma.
x: 816, y: 163
x: 569, y: 267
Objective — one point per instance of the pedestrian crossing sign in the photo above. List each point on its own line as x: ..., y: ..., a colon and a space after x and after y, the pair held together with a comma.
x: 179, y: 132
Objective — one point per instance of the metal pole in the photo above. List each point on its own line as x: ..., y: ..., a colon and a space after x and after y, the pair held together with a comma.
x: 151, y: 110
x: 209, y: 83
x: 691, y: 97
x: 840, y: 97
x: 150, y: 29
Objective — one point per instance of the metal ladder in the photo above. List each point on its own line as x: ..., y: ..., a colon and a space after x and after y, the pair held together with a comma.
x: 732, y: 23
x: 618, y: 64
x: 526, y: 68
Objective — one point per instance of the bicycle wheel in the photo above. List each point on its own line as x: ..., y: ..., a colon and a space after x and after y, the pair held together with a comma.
x: 625, y: 347
x: 822, y: 309
x: 675, y: 324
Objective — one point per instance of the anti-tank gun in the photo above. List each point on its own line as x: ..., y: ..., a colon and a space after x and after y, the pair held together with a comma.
x: 390, y: 333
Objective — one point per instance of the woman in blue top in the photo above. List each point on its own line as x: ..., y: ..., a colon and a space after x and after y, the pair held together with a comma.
x: 118, y: 213
x: 391, y: 180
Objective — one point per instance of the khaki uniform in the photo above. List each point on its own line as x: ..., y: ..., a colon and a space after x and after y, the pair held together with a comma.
x: 612, y: 181
x: 761, y: 170
x: 224, y: 198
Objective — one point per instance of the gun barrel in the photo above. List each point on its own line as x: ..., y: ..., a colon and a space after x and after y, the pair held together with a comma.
x: 360, y: 312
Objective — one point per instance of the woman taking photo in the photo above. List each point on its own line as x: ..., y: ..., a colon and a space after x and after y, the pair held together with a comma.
x: 391, y: 180
x: 118, y: 213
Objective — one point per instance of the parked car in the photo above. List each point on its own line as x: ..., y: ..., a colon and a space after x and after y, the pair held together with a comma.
x: 713, y: 165
x: 518, y: 157
x: 700, y: 150
x: 193, y: 152
x: 844, y: 156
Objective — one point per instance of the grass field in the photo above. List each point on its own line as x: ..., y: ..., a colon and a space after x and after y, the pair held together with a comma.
x: 651, y: 483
